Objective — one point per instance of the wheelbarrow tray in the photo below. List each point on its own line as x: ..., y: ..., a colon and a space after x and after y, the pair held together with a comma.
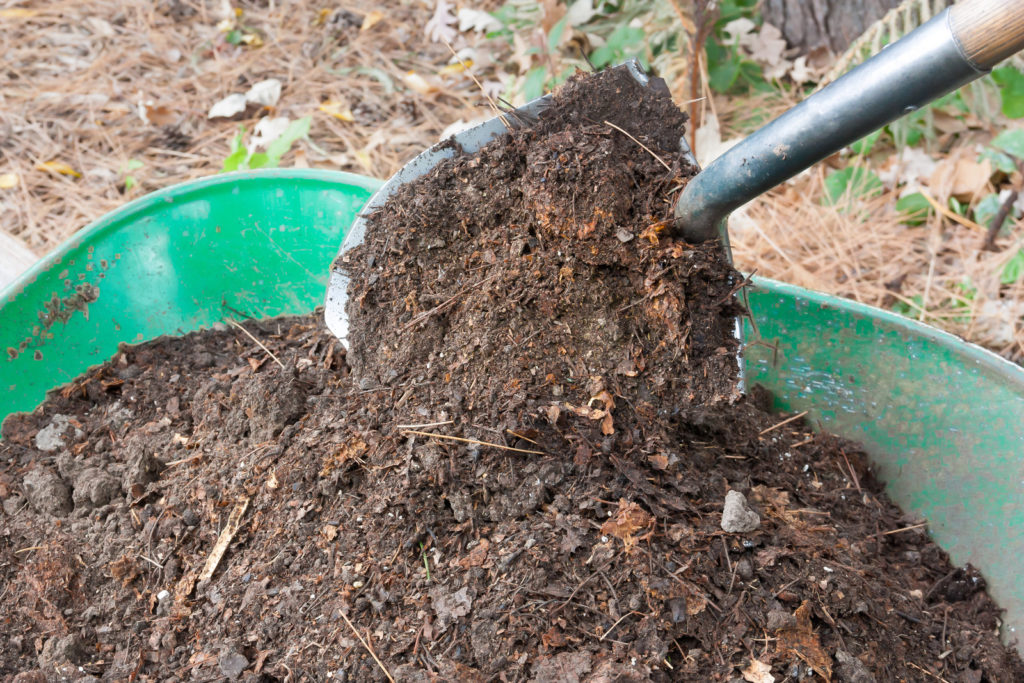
x: 942, y: 419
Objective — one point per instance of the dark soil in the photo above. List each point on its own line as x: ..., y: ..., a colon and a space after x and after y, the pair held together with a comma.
x: 521, y: 478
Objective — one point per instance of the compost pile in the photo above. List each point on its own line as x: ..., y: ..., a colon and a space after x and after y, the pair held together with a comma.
x: 533, y: 466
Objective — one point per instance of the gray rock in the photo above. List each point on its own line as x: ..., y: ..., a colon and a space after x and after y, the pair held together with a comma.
x: 95, y: 487
x: 851, y: 669
x: 232, y: 664
x: 53, y: 436
x: 47, y: 492
x: 737, y: 517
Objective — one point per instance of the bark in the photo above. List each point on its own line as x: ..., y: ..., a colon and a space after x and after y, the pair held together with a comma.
x: 810, y: 24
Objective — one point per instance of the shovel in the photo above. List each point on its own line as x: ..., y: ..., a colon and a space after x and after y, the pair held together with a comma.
x: 955, y: 47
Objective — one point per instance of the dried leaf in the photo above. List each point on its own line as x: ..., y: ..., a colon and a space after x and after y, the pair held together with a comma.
x: 456, y: 68
x: 265, y: 93
x: 758, y: 672
x: 371, y: 19
x: 627, y: 521
x: 477, y: 20
x: 58, y: 167
x: 329, y: 531
x: 477, y: 556
x: 8, y: 180
x: 338, y: 110
x: 961, y: 178
x: 229, y: 106
x: 441, y: 27
x: 419, y: 84
x: 803, y: 642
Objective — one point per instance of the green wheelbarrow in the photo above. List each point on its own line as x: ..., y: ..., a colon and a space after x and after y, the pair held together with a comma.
x: 942, y: 419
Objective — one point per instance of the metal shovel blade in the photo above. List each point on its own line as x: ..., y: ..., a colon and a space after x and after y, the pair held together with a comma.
x: 469, y: 141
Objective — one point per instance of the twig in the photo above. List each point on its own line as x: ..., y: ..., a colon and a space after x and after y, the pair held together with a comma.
x: 927, y: 672
x: 856, y: 481
x: 224, y: 540
x: 368, y: 648
x: 28, y: 549
x: 258, y: 342
x: 906, y: 528
x: 646, y: 148
x: 614, y: 625
x: 473, y: 441
x: 780, y: 424
x: 441, y: 306
x: 490, y: 101
x: 425, y: 424
x: 997, y: 221
x: 952, y: 215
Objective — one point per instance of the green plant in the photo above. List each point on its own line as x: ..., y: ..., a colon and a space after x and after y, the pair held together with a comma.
x: 1013, y: 271
x: 852, y: 181
x: 130, y: 180
x: 1011, y: 90
x: 913, y: 208
x: 242, y: 158
x: 729, y: 70
x: 911, y: 309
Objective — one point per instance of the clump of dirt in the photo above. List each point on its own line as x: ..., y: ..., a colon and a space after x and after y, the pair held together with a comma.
x: 536, y: 469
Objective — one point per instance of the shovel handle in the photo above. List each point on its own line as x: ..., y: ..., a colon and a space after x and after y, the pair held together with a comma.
x: 955, y: 47
x: 988, y: 31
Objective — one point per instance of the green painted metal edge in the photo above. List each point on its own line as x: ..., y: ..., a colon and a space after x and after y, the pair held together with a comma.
x: 942, y: 419
x: 254, y: 243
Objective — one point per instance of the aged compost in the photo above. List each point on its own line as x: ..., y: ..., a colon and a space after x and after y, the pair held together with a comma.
x: 532, y: 466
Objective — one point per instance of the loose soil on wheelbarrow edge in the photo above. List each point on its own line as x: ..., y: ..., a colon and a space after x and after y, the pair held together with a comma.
x: 519, y: 474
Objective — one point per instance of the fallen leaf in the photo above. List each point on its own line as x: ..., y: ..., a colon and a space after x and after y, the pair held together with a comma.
x: 329, y: 531
x: 554, y: 10
x: 803, y: 642
x: 8, y: 180
x: 265, y: 93
x: 338, y: 110
x: 961, y: 178
x: 440, y: 28
x: 229, y: 106
x: 766, y: 46
x: 477, y: 20
x: 58, y: 167
x: 758, y: 672
x: 419, y: 84
x: 627, y: 521
x: 371, y: 19
x: 456, y: 68
x: 267, y: 130
x: 272, y: 482
x: 477, y: 556
x: 450, y: 606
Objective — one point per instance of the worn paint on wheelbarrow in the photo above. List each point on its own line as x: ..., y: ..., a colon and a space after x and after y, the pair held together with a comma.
x: 941, y: 418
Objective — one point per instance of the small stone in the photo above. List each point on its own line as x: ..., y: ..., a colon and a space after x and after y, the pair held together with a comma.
x: 624, y: 235
x: 737, y: 517
x: 745, y: 569
x: 780, y: 619
x: 232, y: 664
x: 851, y: 669
x: 52, y: 437
x: 47, y: 492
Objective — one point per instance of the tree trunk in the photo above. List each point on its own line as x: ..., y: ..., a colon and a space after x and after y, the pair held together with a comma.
x: 810, y: 24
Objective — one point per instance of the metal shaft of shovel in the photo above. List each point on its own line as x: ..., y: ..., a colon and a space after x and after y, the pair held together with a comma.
x: 953, y: 48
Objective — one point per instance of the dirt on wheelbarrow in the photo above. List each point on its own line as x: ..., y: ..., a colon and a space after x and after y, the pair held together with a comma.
x: 533, y: 466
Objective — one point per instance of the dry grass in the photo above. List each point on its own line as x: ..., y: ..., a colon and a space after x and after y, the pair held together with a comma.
x: 77, y: 74
x: 859, y: 249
